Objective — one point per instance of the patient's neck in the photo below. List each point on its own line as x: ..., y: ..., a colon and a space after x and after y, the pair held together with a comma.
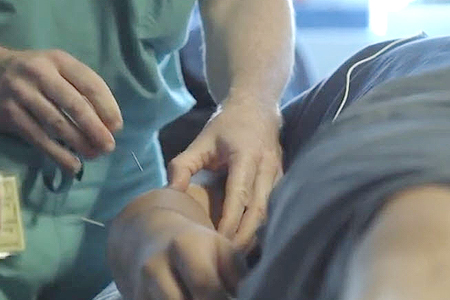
x: 405, y: 255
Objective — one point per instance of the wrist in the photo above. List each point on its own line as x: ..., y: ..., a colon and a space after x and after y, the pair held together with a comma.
x: 259, y: 96
x: 259, y: 99
x: 269, y: 111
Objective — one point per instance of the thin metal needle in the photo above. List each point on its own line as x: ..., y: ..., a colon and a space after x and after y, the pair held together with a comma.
x: 137, y: 161
x: 92, y: 222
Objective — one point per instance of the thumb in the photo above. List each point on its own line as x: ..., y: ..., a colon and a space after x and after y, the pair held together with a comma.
x: 187, y: 164
x: 179, y: 173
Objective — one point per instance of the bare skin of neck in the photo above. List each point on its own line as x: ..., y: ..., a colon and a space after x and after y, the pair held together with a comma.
x: 405, y: 255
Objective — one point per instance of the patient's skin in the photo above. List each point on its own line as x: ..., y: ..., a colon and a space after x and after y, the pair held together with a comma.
x: 406, y: 253
x: 164, y: 245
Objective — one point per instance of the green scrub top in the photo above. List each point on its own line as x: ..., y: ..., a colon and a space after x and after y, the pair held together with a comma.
x: 129, y: 43
x: 132, y: 45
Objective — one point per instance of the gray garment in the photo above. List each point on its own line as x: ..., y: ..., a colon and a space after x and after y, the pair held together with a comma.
x: 317, y: 106
x: 342, y: 174
x: 395, y: 137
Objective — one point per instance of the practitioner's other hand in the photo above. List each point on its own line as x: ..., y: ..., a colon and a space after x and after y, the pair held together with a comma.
x: 244, y: 139
x: 47, y: 96
x: 197, y: 263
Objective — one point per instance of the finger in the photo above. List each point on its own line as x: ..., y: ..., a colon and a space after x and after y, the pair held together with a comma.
x: 256, y: 212
x: 32, y: 132
x: 238, y: 192
x: 160, y: 282
x: 91, y: 85
x: 196, y: 157
x: 51, y: 118
x: 232, y: 266
x: 198, y: 271
x: 78, y: 109
x: 179, y: 172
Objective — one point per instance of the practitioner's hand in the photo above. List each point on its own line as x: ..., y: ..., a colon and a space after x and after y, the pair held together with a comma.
x: 245, y: 139
x: 49, y: 95
x: 197, y: 263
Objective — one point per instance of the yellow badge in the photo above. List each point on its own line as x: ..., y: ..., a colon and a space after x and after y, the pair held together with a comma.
x: 12, y: 239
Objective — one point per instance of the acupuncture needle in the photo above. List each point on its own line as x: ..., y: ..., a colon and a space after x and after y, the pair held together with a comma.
x: 93, y: 222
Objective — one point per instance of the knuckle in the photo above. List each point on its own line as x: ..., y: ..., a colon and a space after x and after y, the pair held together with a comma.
x: 74, y: 109
x: 261, y: 212
x: 243, y: 196
x: 205, y: 157
x: 12, y: 64
x: 58, y: 124
x: 17, y: 89
x: 256, y: 156
x: 176, y: 163
x: 89, y: 90
x: 9, y: 110
x: 8, y: 81
x: 35, y: 67
x: 57, y: 55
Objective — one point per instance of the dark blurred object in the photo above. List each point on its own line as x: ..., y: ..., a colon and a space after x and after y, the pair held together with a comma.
x: 176, y: 136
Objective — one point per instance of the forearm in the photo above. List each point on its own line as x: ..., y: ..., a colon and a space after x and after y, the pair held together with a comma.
x: 145, y: 226
x: 249, y: 49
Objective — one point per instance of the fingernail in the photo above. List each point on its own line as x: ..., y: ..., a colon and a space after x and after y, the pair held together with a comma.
x: 115, y: 125
x: 79, y: 170
x: 109, y: 147
x: 118, y: 126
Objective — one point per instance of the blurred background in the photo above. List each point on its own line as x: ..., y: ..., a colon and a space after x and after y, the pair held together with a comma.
x: 329, y: 31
